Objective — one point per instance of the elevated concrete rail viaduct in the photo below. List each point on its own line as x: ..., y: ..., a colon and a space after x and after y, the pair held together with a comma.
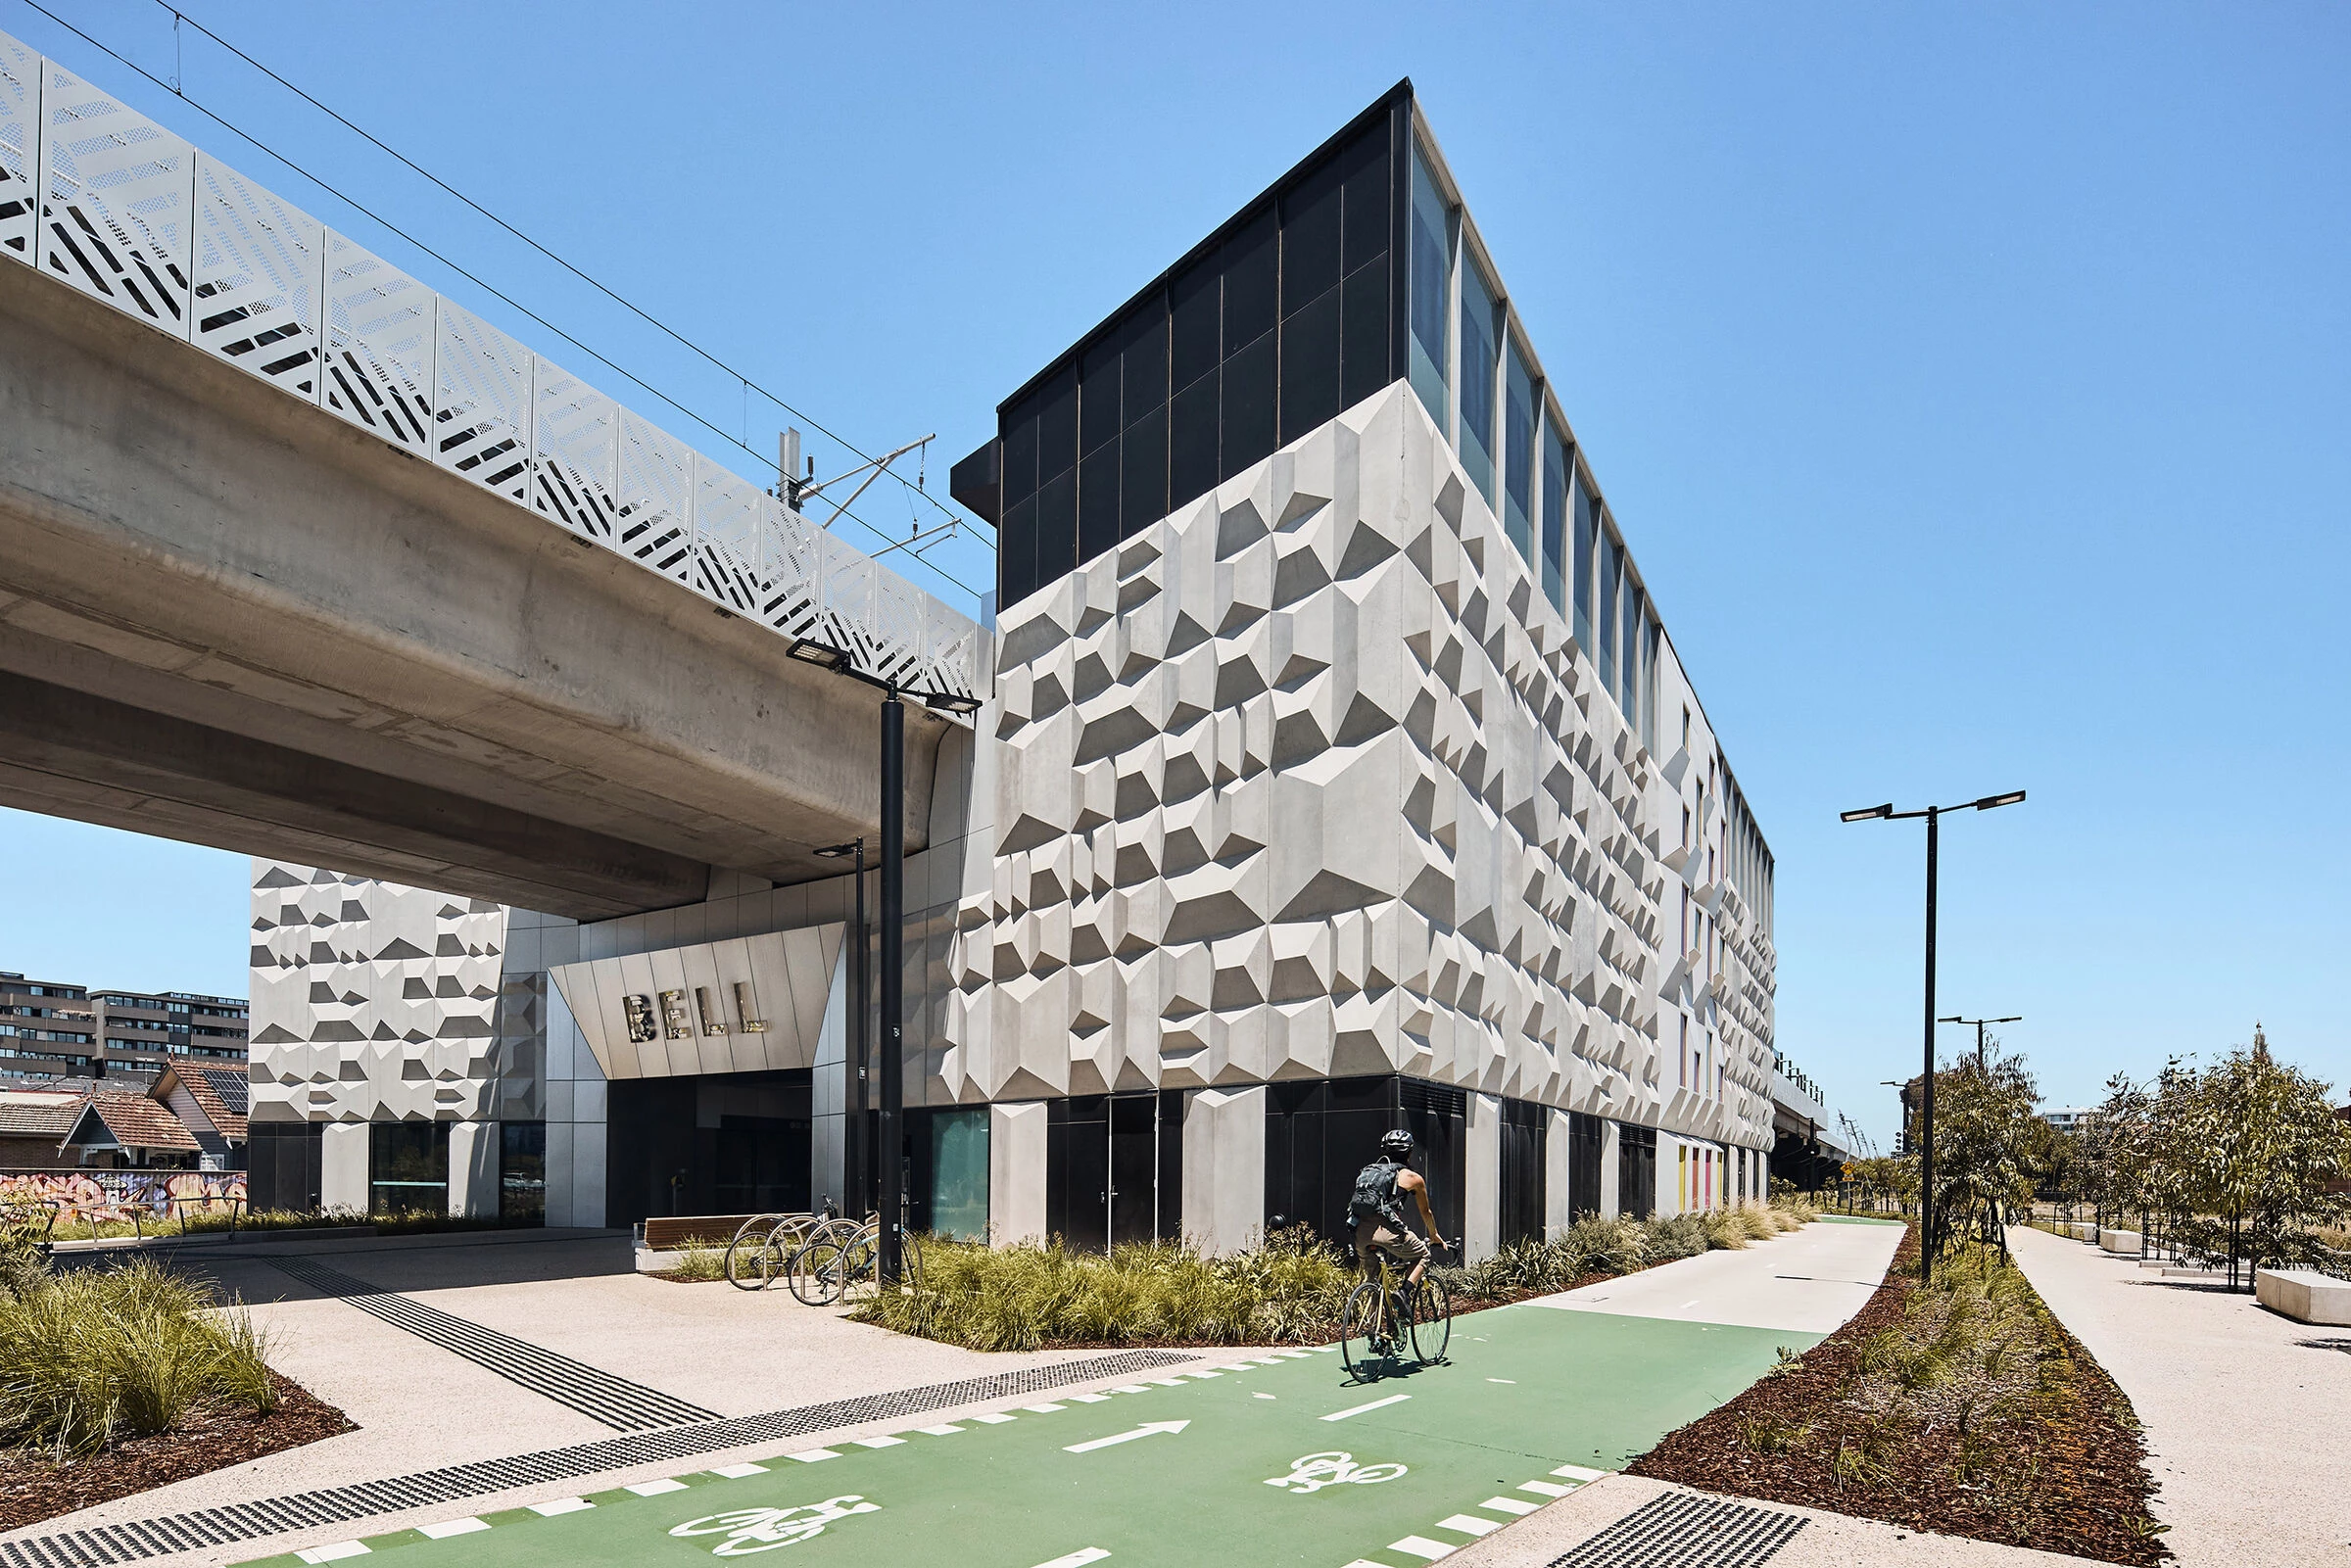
x: 229, y: 617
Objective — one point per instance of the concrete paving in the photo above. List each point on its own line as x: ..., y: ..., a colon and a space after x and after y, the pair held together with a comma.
x: 2246, y: 1412
x: 1815, y: 1280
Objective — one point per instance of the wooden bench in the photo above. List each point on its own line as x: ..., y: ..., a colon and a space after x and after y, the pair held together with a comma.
x: 668, y: 1235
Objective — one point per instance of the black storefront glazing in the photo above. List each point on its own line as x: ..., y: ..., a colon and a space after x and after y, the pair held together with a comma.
x: 523, y: 1172
x: 1636, y: 1170
x: 1320, y: 1132
x: 283, y: 1166
x: 1288, y: 314
x: 1114, y: 1169
x: 727, y: 1143
x: 1586, y: 1138
x: 1522, y: 1132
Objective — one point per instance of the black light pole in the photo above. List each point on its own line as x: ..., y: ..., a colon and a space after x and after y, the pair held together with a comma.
x: 856, y: 1174
x: 892, y: 959
x: 2014, y: 1017
x: 1926, y: 1108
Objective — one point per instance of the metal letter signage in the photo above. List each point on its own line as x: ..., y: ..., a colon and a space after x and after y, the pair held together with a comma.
x: 751, y: 1022
x: 714, y: 1023
x: 639, y: 1010
x: 751, y: 1530
x: 673, y: 1013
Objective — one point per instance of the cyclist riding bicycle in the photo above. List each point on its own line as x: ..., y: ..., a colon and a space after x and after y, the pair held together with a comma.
x: 1376, y: 1211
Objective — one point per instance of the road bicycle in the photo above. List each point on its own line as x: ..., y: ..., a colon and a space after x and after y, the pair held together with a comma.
x: 1383, y: 1315
x: 838, y: 1258
x: 764, y: 1244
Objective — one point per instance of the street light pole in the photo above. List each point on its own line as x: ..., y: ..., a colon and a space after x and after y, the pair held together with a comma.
x: 1980, y: 1061
x: 1926, y: 1104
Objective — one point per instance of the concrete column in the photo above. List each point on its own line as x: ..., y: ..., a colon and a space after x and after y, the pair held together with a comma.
x: 1558, y: 1203
x: 1609, y: 1157
x: 1224, y: 1169
x: 342, y: 1165
x: 473, y: 1170
x: 829, y: 1098
x: 1481, y: 1178
x: 1016, y: 1173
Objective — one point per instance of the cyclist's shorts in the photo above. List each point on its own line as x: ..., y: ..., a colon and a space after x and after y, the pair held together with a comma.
x: 1402, y: 1248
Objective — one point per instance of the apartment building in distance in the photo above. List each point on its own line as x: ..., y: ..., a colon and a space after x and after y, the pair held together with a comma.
x: 47, y: 1030
x: 50, y: 1031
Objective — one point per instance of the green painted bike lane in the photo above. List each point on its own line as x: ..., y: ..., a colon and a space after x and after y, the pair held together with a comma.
x: 1279, y: 1458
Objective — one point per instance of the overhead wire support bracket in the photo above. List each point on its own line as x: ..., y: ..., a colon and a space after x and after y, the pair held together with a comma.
x: 802, y: 491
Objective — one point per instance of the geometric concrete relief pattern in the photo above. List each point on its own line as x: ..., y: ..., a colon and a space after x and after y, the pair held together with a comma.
x: 131, y: 215
x: 371, y: 1000
x: 1310, y: 779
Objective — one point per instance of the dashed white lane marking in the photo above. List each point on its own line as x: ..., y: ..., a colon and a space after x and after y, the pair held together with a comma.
x: 1686, y: 1306
x: 1469, y: 1524
x: 1169, y: 1382
x: 1545, y: 1489
x: 878, y: 1443
x: 1422, y: 1547
x: 945, y: 1429
x: 1262, y: 1396
x: 454, y: 1527
x: 1089, y: 1399
x: 560, y: 1505
x: 1239, y: 1366
x: 1044, y: 1409
x: 1131, y: 1388
x: 1510, y: 1380
x: 992, y: 1419
x: 654, y: 1488
x: 1578, y: 1472
x: 340, y: 1548
x: 805, y: 1456
x: 1076, y: 1559
x: 735, y: 1472
x: 1358, y: 1410
x: 1512, y: 1505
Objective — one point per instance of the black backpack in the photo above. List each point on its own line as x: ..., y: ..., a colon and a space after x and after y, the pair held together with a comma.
x: 1374, y: 1194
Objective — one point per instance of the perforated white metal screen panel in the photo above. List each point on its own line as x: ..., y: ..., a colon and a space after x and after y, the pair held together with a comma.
x: 259, y: 270
x: 482, y: 402
x: 725, y: 537
x: 115, y: 192
x: 379, y: 345
x: 575, y: 446
x: 657, y: 495
x: 20, y: 145
x: 791, y: 562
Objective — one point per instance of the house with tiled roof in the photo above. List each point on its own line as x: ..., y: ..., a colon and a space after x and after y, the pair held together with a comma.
x: 129, y: 1129
x: 34, y: 1122
x: 210, y: 1102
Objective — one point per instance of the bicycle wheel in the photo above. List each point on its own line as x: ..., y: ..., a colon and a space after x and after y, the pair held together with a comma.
x: 745, y: 1251
x: 1359, y: 1324
x: 1432, y: 1320
x: 814, y: 1272
x: 860, y: 1266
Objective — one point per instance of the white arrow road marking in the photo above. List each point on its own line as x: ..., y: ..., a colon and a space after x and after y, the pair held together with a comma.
x: 1143, y: 1431
x: 1076, y: 1559
x: 1341, y: 1415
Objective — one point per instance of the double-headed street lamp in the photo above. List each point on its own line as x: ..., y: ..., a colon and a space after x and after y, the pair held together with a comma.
x: 1926, y: 1113
x: 891, y: 937
x: 2013, y: 1018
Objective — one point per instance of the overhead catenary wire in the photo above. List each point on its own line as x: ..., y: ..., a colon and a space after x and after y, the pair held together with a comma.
x: 363, y: 208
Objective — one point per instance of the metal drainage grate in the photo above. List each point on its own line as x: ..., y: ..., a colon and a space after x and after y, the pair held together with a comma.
x: 247, y: 1521
x: 1685, y: 1530
x: 600, y: 1396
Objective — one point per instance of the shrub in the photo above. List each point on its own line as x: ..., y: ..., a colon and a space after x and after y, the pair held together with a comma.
x: 699, y: 1261
x: 1618, y: 1246
x: 96, y: 1353
x: 1724, y: 1228
x: 1681, y: 1236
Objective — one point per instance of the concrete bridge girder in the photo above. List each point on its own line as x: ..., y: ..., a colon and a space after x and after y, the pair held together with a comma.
x: 229, y: 617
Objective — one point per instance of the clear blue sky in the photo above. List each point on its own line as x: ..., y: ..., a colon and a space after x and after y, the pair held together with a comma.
x: 1971, y: 383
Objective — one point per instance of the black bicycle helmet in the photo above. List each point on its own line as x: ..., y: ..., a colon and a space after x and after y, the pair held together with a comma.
x: 1397, y: 1144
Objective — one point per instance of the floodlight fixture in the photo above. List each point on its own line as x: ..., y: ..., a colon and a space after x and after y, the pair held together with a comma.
x: 1866, y: 813
x: 2011, y: 799
x: 823, y: 655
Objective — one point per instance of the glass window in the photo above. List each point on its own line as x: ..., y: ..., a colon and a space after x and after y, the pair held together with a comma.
x: 1557, y: 483
x: 1628, y: 692
x: 1431, y: 283
x: 407, y: 1168
x: 1611, y: 564
x: 959, y: 1173
x: 1478, y: 368
x: 1518, y: 456
x: 523, y: 1172
x: 1586, y: 529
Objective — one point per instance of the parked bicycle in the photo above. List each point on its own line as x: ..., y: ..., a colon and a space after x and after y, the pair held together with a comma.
x: 763, y: 1246
x: 1387, y: 1313
x: 837, y: 1258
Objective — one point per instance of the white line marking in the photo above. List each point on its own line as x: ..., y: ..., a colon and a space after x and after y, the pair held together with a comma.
x: 1580, y: 1472
x: 1076, y: 1559
x: 945, y: 1429
x: 1686, y: 1306
x: 735, y: 1472
x: 654, y: 1488
x: 878, y: 1443
x: 1358, y: 1410
x: 1044, y: 1409
x: 1545, y: 1489
x: 1514, y: 1505
x: 1469, y: 1524
x: 1131, y: 1388
x: 1422, y: 1547
x: 993, y: 1419
x: 1147, y: 1429
x: 1169, y: 1382
x: 1239, y: 1366
x: 341, y: 1549
x: 805, y: 1456
x: 560, y: 1505
x: 453, y: 1527
x: 1510, y: 1380
x: 1088, y: 1399
x: 1204, y: 1372
x: 1262, y: 1396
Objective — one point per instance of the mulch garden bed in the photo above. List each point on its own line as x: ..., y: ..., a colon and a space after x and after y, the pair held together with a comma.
x: 1985, y: 1419
x: 33, y: 1487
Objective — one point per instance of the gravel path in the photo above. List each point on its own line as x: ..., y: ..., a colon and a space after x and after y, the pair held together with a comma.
x: 2246, y: 1412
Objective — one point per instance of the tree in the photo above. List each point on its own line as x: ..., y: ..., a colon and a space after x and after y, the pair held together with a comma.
x: 1990, y: 1146
x: 2253, y: 1144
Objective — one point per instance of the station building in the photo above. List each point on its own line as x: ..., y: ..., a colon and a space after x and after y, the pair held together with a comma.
x: 1338, y: 771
